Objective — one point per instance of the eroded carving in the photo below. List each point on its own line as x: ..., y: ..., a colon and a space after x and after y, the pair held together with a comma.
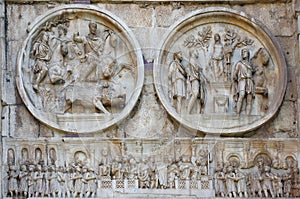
x: 83, y: 70
x: 247, y: 168
x: 220, y: 76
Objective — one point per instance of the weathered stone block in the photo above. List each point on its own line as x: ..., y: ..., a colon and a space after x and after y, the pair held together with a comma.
x: 279, y: 18
x: 22, y: 124
x: 132, y: 14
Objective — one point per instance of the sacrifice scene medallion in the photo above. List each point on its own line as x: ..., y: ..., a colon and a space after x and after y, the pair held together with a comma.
x: 220, y: 71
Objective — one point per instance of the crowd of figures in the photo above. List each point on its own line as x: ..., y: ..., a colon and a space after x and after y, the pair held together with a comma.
x: 51, y: 181
x: 60, y: 62
x: 79, y: 180
x: 190, y: 78
x: 261, y: 182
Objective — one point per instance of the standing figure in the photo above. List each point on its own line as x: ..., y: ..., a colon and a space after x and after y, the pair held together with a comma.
x: 38, y: 178
x: 172, y: 175
x: 230, y: 182
x: 116, y: 168
x: 41, y: 53
x: 195, y: 83
x: 277, y: 184
x: 243, y: 79
x: 287, y: 184
x: 53, y: 182
x: 177, y: 76
x: 30, y: 181
x: 69, y: 181
x: 255, y: 186
x: 267, y: 177
x: 45, y: 181
x: 91, y: 183
x: 143, y: 174
x: 217, y: 58
x: 220, y: 182
x: 23, y: 184
x: 61, y: 178
x: 104, y: 166
x: 241, y: 184
x: 77, y: 177
x: 13, y: 181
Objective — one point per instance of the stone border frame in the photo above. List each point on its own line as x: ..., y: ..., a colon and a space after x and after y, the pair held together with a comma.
x: 262, y: 34
x: 115, y: 21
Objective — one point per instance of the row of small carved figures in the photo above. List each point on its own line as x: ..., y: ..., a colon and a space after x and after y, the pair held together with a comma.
x: 231, y: 182
x: 77, y: 180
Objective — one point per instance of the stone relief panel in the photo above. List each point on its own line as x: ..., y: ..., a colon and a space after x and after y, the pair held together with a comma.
x: 80, y: 69
x: 182, y: 167
x: 220, y: 71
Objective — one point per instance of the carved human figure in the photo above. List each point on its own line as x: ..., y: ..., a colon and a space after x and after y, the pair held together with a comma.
x: 243, y: 80
x: 220, y: 182
x: 217, y: 58
x: 41, y: 53
x: 104, y: 166
x: 23, y: 184
x: 30, y: 181
x: 277, y: 185
x: 91, y: 186
x: 13, y: 181
x: 230, y: 182
x: 61, y: 178
x: 153, y: 173
x: 203, y: 168
x: 69, y: 181
x: 38, y: 178
x: 241, y: 184
x: 143, y: 174
x: 125, y: 167
x: 93, y: 48
x: 255, y: 186
x: 267, y: 178
x: 57, y: 68
x: 53, y: 182
x: 116, y: 168
x: 185, y: 168
x: 260, y: 61
x: 195, y: 81
x: 177, y: 78
x: 77, y: 177
x: 112, y: 95
x: 133, y: 170
x: 287, y: 184
x: 45, y: 181
x: 172, y: 175
x: 84, y: 181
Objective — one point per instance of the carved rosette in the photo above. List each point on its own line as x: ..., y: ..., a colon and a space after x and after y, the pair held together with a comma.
x: 220, y: 71
x: 80, y: 69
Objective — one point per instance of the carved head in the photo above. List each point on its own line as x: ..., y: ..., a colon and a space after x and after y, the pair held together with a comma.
x: 245, y: 54
x: 62, y: 29
x: 177, y: 56
x: 217, y: 38
x: 93, y: 27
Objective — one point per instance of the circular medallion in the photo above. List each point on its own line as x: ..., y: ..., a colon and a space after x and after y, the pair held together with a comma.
x: 80, y: 69
x: 220, y: 71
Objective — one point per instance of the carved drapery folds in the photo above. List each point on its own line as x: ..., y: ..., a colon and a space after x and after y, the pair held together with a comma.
x: 219, y: 71
x: 80, y: 69
x: 209, y: 168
